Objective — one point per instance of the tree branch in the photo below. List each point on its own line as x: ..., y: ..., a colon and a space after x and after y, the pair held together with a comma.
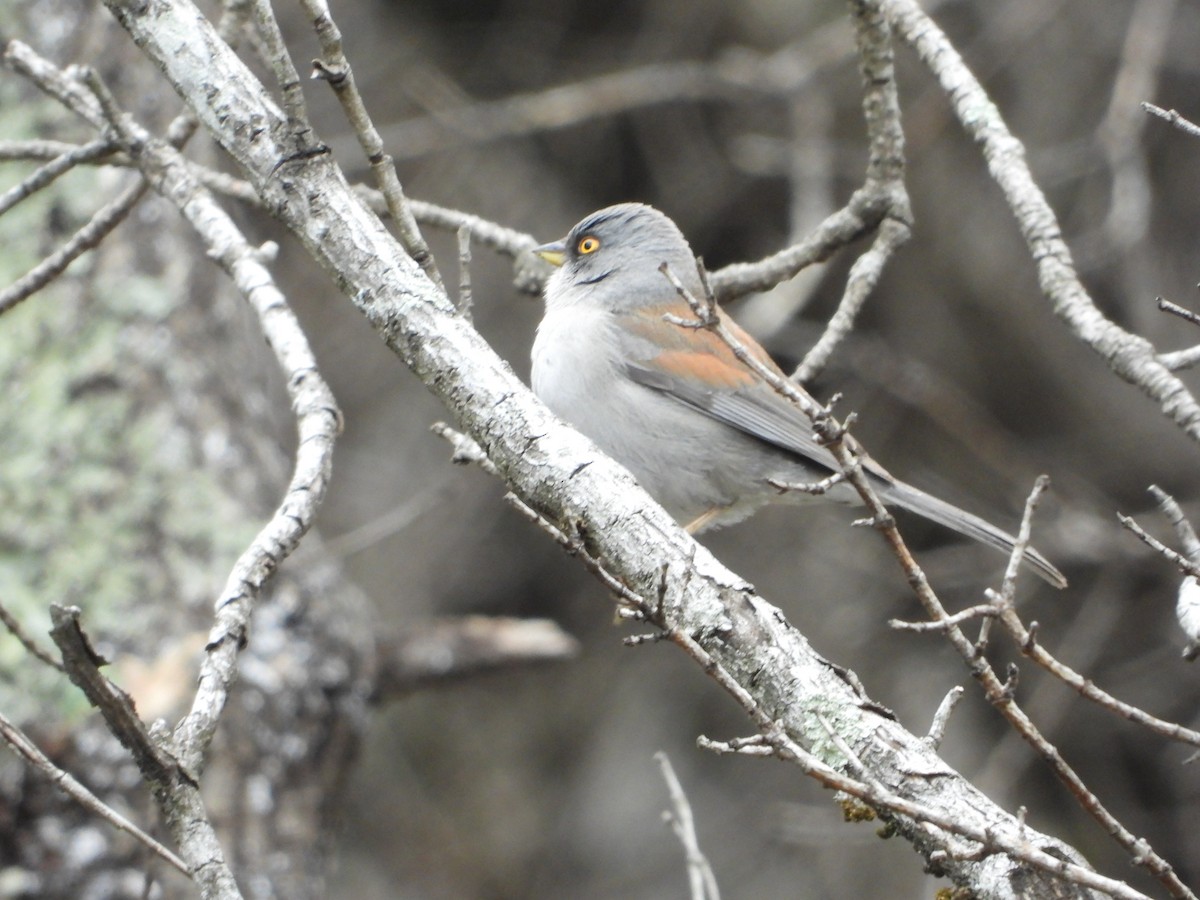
x: 1130, y: 356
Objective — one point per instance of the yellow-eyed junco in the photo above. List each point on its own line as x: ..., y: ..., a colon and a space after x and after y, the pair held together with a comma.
x: 702, y: 432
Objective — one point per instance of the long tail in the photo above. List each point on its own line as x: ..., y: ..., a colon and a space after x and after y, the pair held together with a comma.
x: 965, y: 523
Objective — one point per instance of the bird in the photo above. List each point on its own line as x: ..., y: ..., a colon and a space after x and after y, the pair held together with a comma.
x: 704, y: 433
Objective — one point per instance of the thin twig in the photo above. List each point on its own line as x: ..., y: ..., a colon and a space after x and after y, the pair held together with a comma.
x: 979, y: 611
x: 1174, y: 118
x: 335, y: 69
x: 32, y: 647
x: 885, y: 177
x: 941, y: 718
x: 1179, y: 359
x: 26, y: 749
x: 91, y: 152
x: 1182, y: 562
x: 82, y: 665
x: 575, y: 547
x: 63, y: 85
x: 860, y: 283
x: 701, y: 880
x: 280, y: 63
x: 86, y: 238
x: 35, y: 149
x: 1187, y: 604
x: 1177, y: 310
x: 1183, y: 528
x: 466, y: 451
x: 1008, y: 585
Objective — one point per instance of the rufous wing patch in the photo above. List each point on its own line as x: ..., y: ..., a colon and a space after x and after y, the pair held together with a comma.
x: 696, y: 354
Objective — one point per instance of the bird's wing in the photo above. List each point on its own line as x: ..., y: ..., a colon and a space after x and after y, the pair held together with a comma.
x: 699, y: 369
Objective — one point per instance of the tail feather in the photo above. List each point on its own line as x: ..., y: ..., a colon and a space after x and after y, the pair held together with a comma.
x: 967, y: 524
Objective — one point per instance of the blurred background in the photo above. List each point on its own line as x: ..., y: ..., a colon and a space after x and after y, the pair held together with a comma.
x: 743, y: 123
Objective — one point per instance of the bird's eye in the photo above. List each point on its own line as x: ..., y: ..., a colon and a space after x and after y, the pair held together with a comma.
x: 588, y: 245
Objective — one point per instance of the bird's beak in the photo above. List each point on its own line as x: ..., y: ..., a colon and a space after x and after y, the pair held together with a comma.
x: 554, y: 253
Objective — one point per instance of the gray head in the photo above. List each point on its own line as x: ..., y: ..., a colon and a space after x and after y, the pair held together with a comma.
x: 612, y: 257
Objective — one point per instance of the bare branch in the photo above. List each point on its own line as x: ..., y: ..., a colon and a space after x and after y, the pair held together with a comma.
x: 1174, y: 118
x: 34, y: 149
x: 1182, y: 562
x: 999, y: 694
x: 280, y: 62
x: 941, y: 718
x: 1183, y: 528
x: 86, y: 238
x: 864, y: 276
x: 885, y: 176
x: 446, y: 650
x: 31, y: 646
x: 27, y: 750
x: 1187, y: 607
x: 1179, y: 359
x: 335, y: 69
x: 81, y: 663
x: 465, y: 300
x: 1130, y: 356
x: 701, y: 880
x: 774, y: 741
x: 60, y: 165
x: 981, y: 611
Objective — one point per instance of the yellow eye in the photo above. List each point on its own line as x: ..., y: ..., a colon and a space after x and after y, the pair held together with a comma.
x: 588, y: 245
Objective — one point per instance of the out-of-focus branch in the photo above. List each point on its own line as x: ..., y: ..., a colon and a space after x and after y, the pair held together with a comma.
x: 738, y: 74
x: 60, y: 165
x: 1187, y: 608
x: 86, y: 238
x: 443, y: 651
x: 31, y: 646
x: 1128, y: 215
x: 885, y: 176
x: 701, y: 881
